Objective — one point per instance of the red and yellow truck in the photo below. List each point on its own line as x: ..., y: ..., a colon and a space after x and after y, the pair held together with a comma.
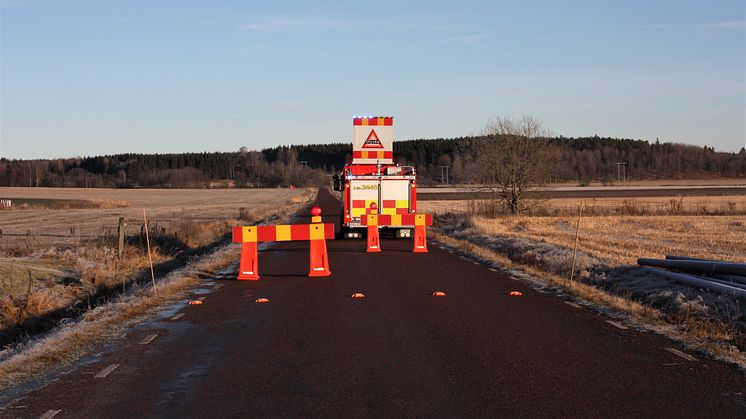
x: 372, y: 177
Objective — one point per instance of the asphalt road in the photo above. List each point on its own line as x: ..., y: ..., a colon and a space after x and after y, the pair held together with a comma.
x: 398, y: 352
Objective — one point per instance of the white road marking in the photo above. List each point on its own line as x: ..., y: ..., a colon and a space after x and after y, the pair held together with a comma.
x: 201, y: 298
x: 106, y: 371
x: 218, y: 286
x: 616, y: 324
x: 493, y: 270
x: 681, y: 354
x: 148, y: 339
x: 50, y: 414
x: 178, y: 316
x: 574, y: 305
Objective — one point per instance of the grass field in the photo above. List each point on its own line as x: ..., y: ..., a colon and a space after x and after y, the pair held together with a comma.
x: 621, y: 239
x: 69, y: 252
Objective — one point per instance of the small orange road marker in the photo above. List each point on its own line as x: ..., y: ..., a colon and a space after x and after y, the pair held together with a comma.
x: 261, y: 300
x: 515, y: 293
x: 195, y: 302
x: 439, y: 294
x: 358, y: 295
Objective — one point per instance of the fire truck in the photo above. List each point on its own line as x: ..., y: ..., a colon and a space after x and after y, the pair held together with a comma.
x: 372, y: 177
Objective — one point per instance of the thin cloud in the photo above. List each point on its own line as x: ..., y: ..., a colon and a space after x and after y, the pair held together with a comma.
x: 728, y: 27
x: 285, y: 24
x: 469, y: 39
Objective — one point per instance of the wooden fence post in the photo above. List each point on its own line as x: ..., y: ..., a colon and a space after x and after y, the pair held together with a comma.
x: 120, y: 232
x: 575, y: 250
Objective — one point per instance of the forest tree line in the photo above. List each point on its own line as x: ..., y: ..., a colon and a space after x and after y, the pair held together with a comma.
x: 578, y: 160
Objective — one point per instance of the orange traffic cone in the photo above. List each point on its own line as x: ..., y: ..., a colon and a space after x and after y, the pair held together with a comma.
x: 249, y: 267
x: 319, y: 259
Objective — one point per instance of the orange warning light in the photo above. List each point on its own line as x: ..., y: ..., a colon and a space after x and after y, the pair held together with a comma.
x: 439, y: 294
x: 358, y: 295
x: 515, y: 293
x: 261, y: 300
x: 195, y: 302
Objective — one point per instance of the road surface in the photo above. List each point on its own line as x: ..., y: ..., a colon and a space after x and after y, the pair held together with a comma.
x: 398, y: 352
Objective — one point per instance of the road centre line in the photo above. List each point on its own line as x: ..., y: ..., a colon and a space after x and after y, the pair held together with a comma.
x: 49, y: 414
x: 681, y: 354
x: 178, y: 316
x: 148, y: 339
x: 617, y: 324
x: 571, y: 304
x: 201, y: 299
x: 106, y: 371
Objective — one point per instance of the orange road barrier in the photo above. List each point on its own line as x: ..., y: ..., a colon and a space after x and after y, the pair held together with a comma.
x: 316, y: 232
x: 419, y: 221
x: 439, y: 294
x: 261, y: 300
x: 373, y: 240
x: 358, y: 295
x: 515, y: 293
x: 195, y: 303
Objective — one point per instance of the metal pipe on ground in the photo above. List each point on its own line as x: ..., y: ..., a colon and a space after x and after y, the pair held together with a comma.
x: 676, y: 257
x: 698, y: 282
x: 697, y: 266
x: 730, y: 278
x: 724, y: 282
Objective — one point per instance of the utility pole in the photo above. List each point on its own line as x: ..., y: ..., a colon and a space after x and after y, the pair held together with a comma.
x: 621, y: 171
x: 444, y: 174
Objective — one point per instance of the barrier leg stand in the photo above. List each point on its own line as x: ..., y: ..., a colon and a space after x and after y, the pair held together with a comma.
x: 248, y: 269
x: 374, y: 244
x: 420, y: 241
x: 319, y: 256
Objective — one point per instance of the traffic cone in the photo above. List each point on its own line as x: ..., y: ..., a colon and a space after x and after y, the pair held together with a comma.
x: 319, y: 259
x: 249, y: 267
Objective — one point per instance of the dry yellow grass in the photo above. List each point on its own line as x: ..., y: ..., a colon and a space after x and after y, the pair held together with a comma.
x: 162, y: 206
x: 622, y: 239
x: 83, y: 241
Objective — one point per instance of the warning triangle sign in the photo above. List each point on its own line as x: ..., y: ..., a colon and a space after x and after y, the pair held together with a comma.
x: 372, y: 141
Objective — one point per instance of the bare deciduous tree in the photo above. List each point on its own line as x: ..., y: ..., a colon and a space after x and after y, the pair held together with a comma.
x: 510, y: 159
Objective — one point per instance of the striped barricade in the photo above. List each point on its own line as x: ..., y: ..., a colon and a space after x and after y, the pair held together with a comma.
x: 316, y: 232
x: 419, y: 221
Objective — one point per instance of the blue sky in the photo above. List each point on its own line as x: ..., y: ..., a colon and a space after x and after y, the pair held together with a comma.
x: 98, y: 77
